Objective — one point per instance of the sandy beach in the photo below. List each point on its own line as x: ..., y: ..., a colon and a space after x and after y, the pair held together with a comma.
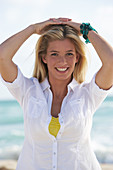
x: 11, y: 165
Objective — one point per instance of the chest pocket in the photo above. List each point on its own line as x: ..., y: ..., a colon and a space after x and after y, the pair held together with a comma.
x: 77, y: 109
x: 77, y: 124
x: 35, y: 107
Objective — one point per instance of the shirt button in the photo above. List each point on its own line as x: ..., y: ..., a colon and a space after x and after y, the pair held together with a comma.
x: 54, y: 153
x: 54, y: 166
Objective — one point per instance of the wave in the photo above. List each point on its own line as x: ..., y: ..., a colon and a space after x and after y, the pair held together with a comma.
x: 103, y: 153
x: 10, y: 152
x: 107, y: 104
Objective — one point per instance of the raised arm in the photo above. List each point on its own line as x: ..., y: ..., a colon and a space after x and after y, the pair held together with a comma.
x: 104, y: 77
x: 8, y: 48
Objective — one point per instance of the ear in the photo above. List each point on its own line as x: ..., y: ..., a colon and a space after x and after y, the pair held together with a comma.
x: 77, y: 57
x: 44, y: 59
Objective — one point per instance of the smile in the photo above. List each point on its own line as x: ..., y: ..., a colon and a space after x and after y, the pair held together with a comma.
x: 62, y: 69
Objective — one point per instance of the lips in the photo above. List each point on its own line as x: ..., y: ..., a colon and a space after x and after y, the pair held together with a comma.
x: 62, y: 69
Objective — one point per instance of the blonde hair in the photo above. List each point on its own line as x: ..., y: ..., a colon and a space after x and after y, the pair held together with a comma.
x: 60, y: 32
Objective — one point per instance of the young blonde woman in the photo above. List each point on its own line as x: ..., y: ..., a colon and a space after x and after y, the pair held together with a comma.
x: 58, y: 105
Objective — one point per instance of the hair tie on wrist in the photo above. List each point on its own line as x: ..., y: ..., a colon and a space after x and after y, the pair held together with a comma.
x: 84, y: 30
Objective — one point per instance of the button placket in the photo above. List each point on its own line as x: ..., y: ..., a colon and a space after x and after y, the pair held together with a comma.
x: 54, y: 164
x: 62, y: 125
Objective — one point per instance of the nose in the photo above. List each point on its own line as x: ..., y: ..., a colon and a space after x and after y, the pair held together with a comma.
x: 62, y: 59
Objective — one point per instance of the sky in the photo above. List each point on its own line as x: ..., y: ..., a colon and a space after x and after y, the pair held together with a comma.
x: 18, y: 14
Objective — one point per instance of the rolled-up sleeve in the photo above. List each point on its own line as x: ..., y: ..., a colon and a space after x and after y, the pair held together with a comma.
x: 96, y: 95
x: 18, y: 87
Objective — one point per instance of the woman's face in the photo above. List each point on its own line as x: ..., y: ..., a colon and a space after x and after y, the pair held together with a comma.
x: 60, y: 59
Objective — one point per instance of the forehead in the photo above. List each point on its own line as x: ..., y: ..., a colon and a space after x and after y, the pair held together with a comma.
x: 58, y: 45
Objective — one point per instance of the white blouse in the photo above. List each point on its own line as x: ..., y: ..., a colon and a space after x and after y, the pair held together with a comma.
x: 71, y: 149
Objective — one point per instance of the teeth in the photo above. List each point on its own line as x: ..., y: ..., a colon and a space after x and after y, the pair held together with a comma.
x: 61, y: 69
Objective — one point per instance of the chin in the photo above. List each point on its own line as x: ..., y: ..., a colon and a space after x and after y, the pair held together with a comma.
x: 63, y: 78
x: 59, y: 77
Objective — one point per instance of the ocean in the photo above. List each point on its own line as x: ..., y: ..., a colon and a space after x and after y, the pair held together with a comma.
x: 12, y: 130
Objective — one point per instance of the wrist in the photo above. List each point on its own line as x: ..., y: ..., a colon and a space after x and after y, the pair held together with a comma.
x: 78, y: 28
x: 32, y: 27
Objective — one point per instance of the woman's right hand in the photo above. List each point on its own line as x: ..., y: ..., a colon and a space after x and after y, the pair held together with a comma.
x: 41, y: 27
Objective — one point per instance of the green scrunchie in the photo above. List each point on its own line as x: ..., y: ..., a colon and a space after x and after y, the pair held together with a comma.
x: 85, y: 28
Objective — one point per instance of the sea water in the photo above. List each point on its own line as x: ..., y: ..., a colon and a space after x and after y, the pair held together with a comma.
x: 12, y: 130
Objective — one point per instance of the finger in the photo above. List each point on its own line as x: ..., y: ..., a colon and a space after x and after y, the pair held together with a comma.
x: 52, y: 19
x: 60, y: 19
x: 65, y: 19
x: 55, y: 21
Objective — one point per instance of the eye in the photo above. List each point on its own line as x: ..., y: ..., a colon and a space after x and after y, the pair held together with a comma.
x: 54, y: 54
x: 69, y: 54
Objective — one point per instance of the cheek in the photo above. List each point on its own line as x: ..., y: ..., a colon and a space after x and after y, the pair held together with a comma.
x: 52, y: 60
x: 50, y: 63
x: 72, y: 62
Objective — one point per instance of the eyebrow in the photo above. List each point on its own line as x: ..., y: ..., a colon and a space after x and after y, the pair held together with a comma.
x: 69, y: 51
x: 53, y: 51
x: 58, y: 51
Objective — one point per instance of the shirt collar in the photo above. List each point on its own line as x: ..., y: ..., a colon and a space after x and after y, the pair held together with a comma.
x: 45, y: 84
x: 73, y: 84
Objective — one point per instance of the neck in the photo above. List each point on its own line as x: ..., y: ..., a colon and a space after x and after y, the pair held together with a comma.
x: 59, y: 88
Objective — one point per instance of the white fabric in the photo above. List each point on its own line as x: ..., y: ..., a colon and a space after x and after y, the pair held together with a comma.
x: 71, y: 149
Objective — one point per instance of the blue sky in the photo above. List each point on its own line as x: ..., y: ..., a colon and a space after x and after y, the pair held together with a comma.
x: 17, y: 14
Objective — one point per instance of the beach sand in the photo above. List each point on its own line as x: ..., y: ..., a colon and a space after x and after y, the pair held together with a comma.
x: 8, y: 164
x: 11, y: 165
x: 107, y: 166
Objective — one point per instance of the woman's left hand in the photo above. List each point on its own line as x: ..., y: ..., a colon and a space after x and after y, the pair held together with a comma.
x: 75, y: 25
x: 69, y: 22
